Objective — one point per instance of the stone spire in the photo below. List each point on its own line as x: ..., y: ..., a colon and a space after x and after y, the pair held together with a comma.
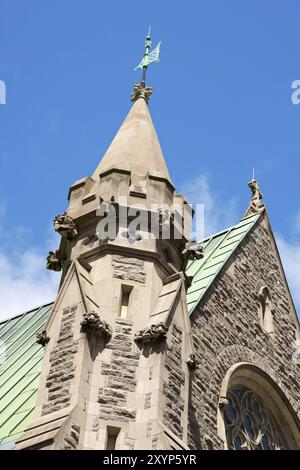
x: 135, y: 146
x: 118, y: 341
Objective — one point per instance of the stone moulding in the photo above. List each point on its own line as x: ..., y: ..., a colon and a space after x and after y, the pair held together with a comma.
x: 92, y: 323
x: 141, y: 92
x: 42, y: 338
x: 154, y: 333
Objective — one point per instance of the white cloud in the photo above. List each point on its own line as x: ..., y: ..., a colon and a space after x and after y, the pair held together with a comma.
x: 290, y: 255
x: 218, y: 214
x: 24, y: 282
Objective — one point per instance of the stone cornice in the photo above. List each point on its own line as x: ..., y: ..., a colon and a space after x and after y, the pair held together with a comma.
x: 111, y: 248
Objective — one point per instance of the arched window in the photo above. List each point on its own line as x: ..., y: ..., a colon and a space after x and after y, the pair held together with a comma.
x: 254, y: 414
x: 249, y: 423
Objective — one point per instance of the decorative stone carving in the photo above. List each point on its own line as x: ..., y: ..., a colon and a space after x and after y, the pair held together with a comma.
x: 92, y: 323
x: 191, y: 362
x: 153, y: 333
x: 223, y: 402
x: 141, y: 92
x: 256, y: 193
x: 42, y: 338
x: 193, y: 250
x: 65, y: 226
x: 54, y: 261
x: 255, y: 205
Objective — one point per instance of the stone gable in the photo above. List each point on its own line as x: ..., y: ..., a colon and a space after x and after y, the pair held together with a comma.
x: 226, y: 330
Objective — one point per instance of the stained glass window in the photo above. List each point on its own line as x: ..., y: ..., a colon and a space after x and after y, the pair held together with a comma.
x: 249, y: 423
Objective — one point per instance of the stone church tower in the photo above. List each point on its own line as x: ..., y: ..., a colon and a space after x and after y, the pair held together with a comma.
x: 157, y: 342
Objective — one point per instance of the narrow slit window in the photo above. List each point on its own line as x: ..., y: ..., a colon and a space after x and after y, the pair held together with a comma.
x: 112, y: 435
x: 125, y: 299
x: 266, y: 311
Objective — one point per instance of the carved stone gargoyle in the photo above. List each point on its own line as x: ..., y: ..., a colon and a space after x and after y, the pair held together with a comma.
x: 255, y: 205
x: 92, y: 323
x: 65, y: 226
x: 191, y: 361
x: 141, y: 92
x: 154, y: 333
x: 223, y: 402
x: 42, y: 338
x: 54, y: 262
x: 192, y: 250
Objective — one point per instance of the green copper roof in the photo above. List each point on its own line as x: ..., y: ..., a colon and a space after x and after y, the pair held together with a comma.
x: 20, y: 367
x: 217, y: 249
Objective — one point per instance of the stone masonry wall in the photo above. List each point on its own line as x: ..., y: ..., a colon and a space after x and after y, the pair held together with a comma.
x: 62, y: 365
x: 174, y: 404
x: 72, y: 438
x: 226, y: 331
x: 131, y: 269
x: 120, y: 375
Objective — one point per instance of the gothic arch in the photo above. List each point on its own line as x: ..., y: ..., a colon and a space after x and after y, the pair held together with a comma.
x: 266, y: 310
x: 254, y: 379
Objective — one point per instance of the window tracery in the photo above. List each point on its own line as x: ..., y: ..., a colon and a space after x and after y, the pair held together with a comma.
x: 249, y: 423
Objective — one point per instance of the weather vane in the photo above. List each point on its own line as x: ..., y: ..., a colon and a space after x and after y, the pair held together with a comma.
x: 140, y: 90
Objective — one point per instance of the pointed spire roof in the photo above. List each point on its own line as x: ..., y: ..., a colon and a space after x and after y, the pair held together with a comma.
x: 136, y: 145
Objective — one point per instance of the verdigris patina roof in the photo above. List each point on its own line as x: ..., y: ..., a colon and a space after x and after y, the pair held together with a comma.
x: 216, y: 249
x: 20, y: 367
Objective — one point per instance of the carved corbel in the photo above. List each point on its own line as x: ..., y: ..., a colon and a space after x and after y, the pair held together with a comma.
x: 54, y: 261
x: 192, y: 250
x: 154, y: 333
x: 42, y: 338
x: 92, y: 323
x: 141, y: 92
x: 65, y: 226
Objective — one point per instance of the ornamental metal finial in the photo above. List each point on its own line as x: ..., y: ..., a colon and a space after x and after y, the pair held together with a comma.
x: 140, y: 90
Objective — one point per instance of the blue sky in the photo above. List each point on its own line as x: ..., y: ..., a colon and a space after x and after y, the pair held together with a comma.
x: 221, y: 106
